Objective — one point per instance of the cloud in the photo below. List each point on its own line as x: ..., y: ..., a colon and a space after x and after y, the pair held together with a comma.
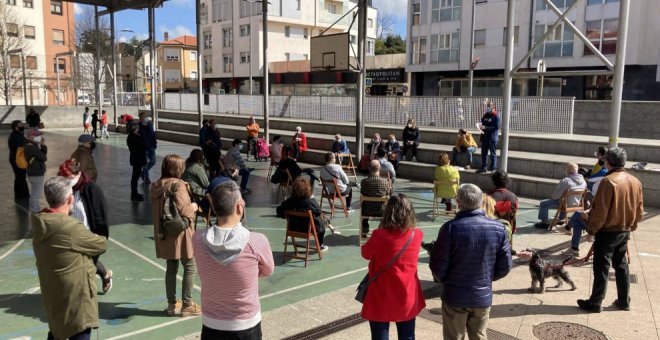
x: 77, y: 9
x: 175, y: 31
x: 395, y: 8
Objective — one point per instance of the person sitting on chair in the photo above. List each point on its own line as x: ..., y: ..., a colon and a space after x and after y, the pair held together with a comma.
x: 276, y: 149
x: 373, y: 146
x: 447, y: 173
x: 393, y: 151
x: 235, y: 159
x: 572, y: 181
x: 332, y: 171
x: 373, y: 186
x: 301, y: 200
x: 339, y: 146
x: 465, y: 144
x: 288, y: 163
x: 386, y: 165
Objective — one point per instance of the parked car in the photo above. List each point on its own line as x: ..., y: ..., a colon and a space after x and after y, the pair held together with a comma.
x: 107, y: 101
x: 84, y: 100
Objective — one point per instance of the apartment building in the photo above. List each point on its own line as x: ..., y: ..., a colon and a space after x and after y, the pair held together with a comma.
x: 232, y: 37
x: 177, y: 60
x: 41, y: 29
x: 439, y: 47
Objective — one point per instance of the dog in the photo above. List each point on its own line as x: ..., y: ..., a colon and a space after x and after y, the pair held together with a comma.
x: 541, y: 269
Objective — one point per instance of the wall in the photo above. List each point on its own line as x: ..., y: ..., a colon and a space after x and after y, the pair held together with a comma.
x: 638, y: 119
x: 58, y: 116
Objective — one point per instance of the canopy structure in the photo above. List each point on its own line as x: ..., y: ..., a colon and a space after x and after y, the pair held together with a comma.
x: 113, y: 6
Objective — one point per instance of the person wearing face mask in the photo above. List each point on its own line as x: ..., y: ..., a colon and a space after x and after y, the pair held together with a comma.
x: 339, y: 146
x: 299, y: 143
x: 83, y: 154
x: 411, y: 139
x: 393, y: 150
x: 490, y: 125
x: 17, y: 139
x: 36, y: 155
x: 373, y: 146
x: 252, y: 133
x: 149, y: 136
x: 465, y: 144
x: 235, y: 159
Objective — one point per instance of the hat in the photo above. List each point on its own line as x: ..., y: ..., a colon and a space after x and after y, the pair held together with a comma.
x: 32, y: 133
x: 85, y: 138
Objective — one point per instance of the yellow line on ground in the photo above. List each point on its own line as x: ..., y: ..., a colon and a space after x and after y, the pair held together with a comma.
x: 11, y: 250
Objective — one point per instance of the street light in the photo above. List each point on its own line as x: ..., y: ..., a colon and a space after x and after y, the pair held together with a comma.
x: 57, y: 65
x: 20, y: 51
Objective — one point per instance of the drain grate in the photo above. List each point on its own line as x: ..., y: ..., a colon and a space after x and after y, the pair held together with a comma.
x: 612, y: 277
x: 329, y: 328
x: 566, y: 330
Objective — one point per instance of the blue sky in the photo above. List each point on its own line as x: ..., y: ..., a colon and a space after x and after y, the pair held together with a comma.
x: 178, y: 18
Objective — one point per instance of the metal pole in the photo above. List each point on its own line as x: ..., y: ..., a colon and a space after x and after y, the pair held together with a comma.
x: 31, y: 98
x: 619, y: 70
x: 25, y: 103
x: 508, y: 76
x: 251, y: 29
x: 114, y: 68
x: 152, y: 58
x: 198, y: 19
x: 266, y: 85
x: 473, y: 4
x: 57, y: 69
x: 98, y: 72
x: 362, y: 32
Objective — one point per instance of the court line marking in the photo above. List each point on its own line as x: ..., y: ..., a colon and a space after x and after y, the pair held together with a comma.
x: 11, y: 250
x: 154, y: 327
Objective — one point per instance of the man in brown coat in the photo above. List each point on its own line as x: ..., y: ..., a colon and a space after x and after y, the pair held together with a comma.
x: 64, y: 248
x: 617, y: 209
x: 83, y: 155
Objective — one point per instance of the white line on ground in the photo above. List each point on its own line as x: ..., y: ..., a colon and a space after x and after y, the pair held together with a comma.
x: 311, y: 283
x: 144, y: 330
x: 11, y: 250
x: 148, y: 260
x: 647, y: 254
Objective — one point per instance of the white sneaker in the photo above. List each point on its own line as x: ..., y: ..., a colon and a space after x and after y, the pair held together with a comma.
x: 324, y: 248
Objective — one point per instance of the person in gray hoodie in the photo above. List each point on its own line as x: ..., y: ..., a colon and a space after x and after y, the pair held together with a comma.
x: 572, y: 181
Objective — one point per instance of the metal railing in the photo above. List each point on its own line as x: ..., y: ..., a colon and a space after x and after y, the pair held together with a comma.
x: 528, y: 114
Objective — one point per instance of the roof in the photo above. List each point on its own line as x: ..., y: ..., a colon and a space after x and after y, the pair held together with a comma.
x: 184, y: 40
x: 120, y: 5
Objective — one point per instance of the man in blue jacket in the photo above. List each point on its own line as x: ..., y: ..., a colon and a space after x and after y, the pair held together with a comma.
x: 470, y: 253
x: 490, y: 125
x: 148, y: 134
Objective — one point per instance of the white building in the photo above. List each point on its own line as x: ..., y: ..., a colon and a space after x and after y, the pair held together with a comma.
x: 232, y: 37
x: 439, y: 47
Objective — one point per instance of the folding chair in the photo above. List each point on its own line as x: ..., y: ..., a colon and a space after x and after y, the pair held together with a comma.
x: 381, y: 200
x: 436, y: 211
x: 349, y: 167
x: 307, y: 236
x: 273, y: 165
x: 331, y: 197
x: 206, y: 217
x: 283, y: 187
x: 565, y: 209
x: 390, y: 185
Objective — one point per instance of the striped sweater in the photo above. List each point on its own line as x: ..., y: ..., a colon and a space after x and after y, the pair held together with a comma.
x: 230, y: 293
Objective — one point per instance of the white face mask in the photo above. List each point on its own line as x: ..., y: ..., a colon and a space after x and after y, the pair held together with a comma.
x: 37, y: 139
x: 410, y: 126
x: 240, y: 146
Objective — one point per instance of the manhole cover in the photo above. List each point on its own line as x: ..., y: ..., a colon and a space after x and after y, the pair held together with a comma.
x: 566, y: 330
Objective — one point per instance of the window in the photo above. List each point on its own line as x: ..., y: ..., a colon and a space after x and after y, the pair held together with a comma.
x: 558, y: 44
x: 541, y: 6
x: 370, y: 47
x: 193, y: 74
x: 29, y: 32
x: 31, y: 62
x: 331, y: 7
x: 245, y: 57
x: 172, y: 76
x: 603, y: 34
x: 444, y: 47
x: 171, y: 54
x: 435, y: 11
x: 227, y: 63
x: 208, y: 64
x: 28, y: 4
x: 204, y: 14
x: 287, y: 31
x: 62, y: 66
x: 479, y: 38
x: 599, y: 2
x: 56, y: 7
x: 450, y: 10
x: 14, y: 61
x: 416, y: 13
x: 58, y: 37
x: 227, y: 37
x: 418, y: 55
x: 12, y: 30
x: 244, y: 30
x: 11, y: 2
x: 516, y: 36
x: 208, y: 40
x: 193, y: 56
x: 370, y: 23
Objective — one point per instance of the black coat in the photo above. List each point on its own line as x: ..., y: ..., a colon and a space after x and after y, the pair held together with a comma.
x: 411, y: 134
x: 95, y: 208
x: 302, y: 204
x: 137, y: 148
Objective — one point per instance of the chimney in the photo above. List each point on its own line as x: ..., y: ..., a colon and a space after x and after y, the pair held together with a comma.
x: 166, y: 36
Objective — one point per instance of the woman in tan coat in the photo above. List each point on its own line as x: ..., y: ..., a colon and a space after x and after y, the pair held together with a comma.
x: 176, y: 248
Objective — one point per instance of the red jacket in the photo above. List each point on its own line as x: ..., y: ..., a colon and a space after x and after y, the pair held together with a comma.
x: 302, y: 145
x: 396, y: 294
x: 104, y: 119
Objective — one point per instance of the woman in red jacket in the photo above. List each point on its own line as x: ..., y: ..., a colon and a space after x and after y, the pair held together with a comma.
x: 299, y: 144
x: 395, y: 295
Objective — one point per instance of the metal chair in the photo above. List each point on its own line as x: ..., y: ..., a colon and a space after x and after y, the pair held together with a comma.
x: 565, y: 209
x: 307, y: 236
x: 381, y: 200
x: 436, y: 199
x: 331, y: 196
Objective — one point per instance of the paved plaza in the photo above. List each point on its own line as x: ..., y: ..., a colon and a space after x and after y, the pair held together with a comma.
x: 298, y: 302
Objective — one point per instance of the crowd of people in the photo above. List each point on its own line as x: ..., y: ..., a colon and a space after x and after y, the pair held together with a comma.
x: 472, y: 250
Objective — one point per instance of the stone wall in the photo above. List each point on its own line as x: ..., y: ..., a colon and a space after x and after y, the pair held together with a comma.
x: 638, y: 119
x: 58, y: 116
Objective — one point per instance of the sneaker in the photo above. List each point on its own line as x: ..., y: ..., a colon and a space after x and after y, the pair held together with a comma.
x: 572, y: 251
x: 107, y: 284
x: 174, y: 308
x: 350, y: 210
x: 324, y: 248
x: 625, y: 307
x: 585, y: 305
x: 190, y: 310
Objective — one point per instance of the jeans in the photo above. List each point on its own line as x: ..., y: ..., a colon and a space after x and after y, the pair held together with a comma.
x: 21, y: 189
x: 413, y: 149
x: 348, y: 193
x: 486, y: 148
x: 469, y: 151
x: 187, y: 285
x: 251, y: 147
x: 610, y: 246
x: 84, y: 335
x: 405, y: 330
x: 457, y: 321
x: 151, y: 161
x: 312, y: 177
x: 135, y: 175
x: 253, y: 333
x: 545, y: 206
x: 100, y: 268
x: 578, y: 225
x: 36, y: 188
x: 245, y: 177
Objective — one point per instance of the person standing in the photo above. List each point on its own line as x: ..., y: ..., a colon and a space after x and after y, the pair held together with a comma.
x: 202, y: 133
x: 95, y: 122
x: 87, y: 121
x: 149, y: 136
x: 36, y: 153
x: 104, y: 125
x: 470, y: 253
x: 490, y: 125
x: 211, y: 148
x: 175, y: 248
x: 616, y: 210
x: 231, y: 259
x: 17, y: 139
x: 395, y: 294
x: 252, y: 133
x: 138, y: 159
x: 33, y: 120
x: 411, y: 139
x: 63, y: 250
x: 235, y: 160
x: 83, y: 154
x: 299, y: 143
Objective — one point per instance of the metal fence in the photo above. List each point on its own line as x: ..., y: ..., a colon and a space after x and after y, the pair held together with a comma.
x: 528, y: 114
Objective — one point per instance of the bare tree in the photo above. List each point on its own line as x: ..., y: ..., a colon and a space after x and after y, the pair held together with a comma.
x: 86, y: 37
x: 10, y: 39
x: 384, y: 25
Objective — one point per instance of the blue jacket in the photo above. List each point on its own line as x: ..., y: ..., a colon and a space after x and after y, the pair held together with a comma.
x: 148, y: 135
x: 340, y: 147
x: 470, y: 253
x: 491, y: 124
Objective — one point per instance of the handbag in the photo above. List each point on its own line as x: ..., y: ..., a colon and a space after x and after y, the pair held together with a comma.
x: 361, y: 291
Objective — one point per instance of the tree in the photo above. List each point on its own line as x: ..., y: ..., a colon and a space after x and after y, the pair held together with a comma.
x: 384, y: 25
x: 10, y: 66
x: 393, y: 44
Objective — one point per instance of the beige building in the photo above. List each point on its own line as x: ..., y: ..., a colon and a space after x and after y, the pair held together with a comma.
x: 177, y: 61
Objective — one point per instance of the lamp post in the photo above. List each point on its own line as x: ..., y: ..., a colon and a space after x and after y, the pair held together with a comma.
x: 20, y: 52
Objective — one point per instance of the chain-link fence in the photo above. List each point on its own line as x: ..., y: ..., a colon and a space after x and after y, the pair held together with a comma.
x: 528, y: 114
